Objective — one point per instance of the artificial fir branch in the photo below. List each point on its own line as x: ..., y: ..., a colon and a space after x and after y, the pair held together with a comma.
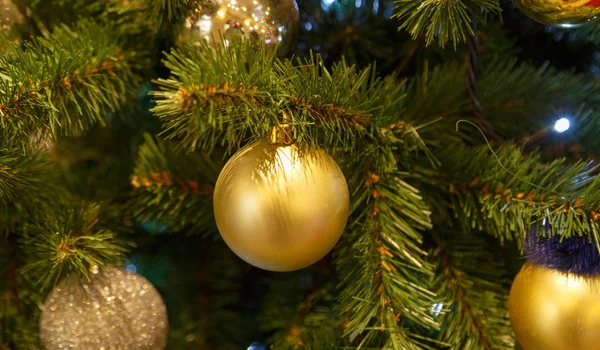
x: 443, y: 22
x: 370, y: 123
x: 568, y: 150
x: 195, y: 96
x: 501, y: 192
x: 26, y: 181
x: 353, y: 118
x: 507, y: 195
x: 169, y: 11
x: 533, y: 98
x: 216, y: 95
x: 170, y: 188
x: 393, y: 267
x: 472, y: 83
x: 312, y: 323
x: 69, y: 243
x: 472, y: 290
x: 341, y: 101
x: 83, y: 76
x: 202, y: 107
x: 164, y: 179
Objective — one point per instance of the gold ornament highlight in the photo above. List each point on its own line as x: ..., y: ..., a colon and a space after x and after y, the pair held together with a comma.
x: 560, y: 13
x: 281, y: 208
x: 551, y: 310
x: 273, y: 21
x: 116, y: 309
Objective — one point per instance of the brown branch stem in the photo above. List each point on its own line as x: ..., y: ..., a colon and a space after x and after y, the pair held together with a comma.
x: 472, y: 86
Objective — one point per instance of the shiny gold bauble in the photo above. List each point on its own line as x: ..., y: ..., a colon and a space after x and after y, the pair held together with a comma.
x: 281, y: 208
x: 115, y: 309
x: 560, y: 13
x: 10, y: 16
x: 272, y: 21
x: 550, y: 310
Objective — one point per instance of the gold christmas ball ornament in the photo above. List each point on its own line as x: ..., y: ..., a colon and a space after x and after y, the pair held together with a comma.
x: 272, y: 21
x: 560, y: 13
x: 10, y: 16
x: 280, y: 207
x: 115, y: 309
x: 551, y: 310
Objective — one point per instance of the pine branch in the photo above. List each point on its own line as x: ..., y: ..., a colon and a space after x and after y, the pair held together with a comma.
x: 170, y: 11
x: 520, y: 99
x: 337, y: 106
x: 27, y: 186
x: 224, y: 95
x: 205, y: 282
x: 443, y: 21
x: 21, y: 174
x: 472, y: 288
x: 312, y: 323
x: 444, y: 84
x: 382, y: 250
x: 472, y: 71
x: 217, y: 95
x: 65, y: 82
x: 68, y: 242
x: 506, y: 199
x: 56, y: 12
x: 173, y: 189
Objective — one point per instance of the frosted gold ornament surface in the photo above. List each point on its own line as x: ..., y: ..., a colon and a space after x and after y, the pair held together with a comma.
x: 9, y: 16
x: 280, y: 210
x: 560, y: 13
x: 272, y: 21
x: 115, y: 310
x: 550, y: 310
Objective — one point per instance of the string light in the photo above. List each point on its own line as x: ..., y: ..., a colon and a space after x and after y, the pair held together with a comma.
x: 326, y: 4
x: 257, y: 346
x: 562, y: 125
x: 436, y: 309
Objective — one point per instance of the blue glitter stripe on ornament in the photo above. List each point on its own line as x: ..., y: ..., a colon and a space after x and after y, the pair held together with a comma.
x: 576, y: 255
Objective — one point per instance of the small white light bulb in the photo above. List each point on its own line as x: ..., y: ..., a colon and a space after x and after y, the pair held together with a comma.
x: 562, y: 125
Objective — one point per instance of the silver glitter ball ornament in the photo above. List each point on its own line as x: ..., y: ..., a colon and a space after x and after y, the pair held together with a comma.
x: 272, y: 21
x: 10, y: 16
x: 116, y: 309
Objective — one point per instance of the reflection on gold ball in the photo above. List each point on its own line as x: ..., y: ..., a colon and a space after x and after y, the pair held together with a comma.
x: 116, y: 309
x: 560, y: 13
x: 279, y: 209
x: 550, y: 310
x: 272, y: 21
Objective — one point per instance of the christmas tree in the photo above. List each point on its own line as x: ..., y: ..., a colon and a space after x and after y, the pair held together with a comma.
x: 309, y: 174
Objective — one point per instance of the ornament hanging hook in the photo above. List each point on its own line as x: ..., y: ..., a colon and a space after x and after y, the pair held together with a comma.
x: 283, y: 133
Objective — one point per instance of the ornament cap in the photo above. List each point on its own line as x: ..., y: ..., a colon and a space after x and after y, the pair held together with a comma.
x: 282, y: 134
x: 575, y: 255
